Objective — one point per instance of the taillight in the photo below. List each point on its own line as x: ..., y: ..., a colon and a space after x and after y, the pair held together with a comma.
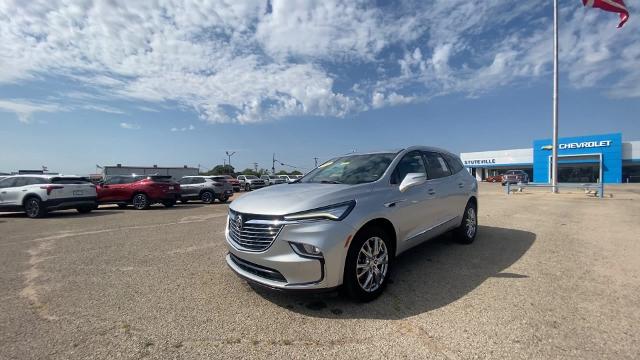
x: 50, y: 188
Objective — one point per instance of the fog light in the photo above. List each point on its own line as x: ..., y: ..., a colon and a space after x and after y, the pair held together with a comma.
x: 306, y: 250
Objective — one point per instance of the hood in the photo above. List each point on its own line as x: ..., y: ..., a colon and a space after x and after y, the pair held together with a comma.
x: 294, y: 197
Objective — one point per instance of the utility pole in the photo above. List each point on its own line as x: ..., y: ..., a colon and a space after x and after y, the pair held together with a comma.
x: 255, y: 166
x: 316, y: 160
x: 554, y: 154
x: 273, y: 164
x: 230, y: 155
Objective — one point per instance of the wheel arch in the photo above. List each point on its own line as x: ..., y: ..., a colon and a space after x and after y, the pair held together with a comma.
x: 387, y: 226
x: 139, y: 192
x: 207, y: 189
x: 474, y: 200
x: 29, y: 196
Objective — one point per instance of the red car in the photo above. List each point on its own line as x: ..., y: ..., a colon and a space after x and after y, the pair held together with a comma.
x: 235, y: 183
x: 139, y: 191
x: 494, y: 178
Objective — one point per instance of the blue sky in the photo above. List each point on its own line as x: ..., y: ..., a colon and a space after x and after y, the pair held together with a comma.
x: 179, y: 83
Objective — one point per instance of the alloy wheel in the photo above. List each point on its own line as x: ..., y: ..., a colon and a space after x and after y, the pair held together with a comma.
x: 206, y: 197
x: 471, y: 223
x: 372, y: 264
x: 32, y: 208
x: 139, y: 201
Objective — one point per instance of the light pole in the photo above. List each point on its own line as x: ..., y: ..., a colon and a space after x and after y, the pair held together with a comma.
x: 230, y: 155
x: 316, y: 160
x: 554, y: 150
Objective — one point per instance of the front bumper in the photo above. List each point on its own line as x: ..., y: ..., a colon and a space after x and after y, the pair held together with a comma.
x: 279, y: 267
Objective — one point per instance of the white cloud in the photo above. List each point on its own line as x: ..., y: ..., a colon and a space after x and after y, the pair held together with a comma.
x: 187, y: 128
x: 129, y: 126
x: 102, y: 108
x: 243, y: 61
x: 24, y: 109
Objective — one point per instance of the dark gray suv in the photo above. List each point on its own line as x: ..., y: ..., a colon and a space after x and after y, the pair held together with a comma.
x: 205, y: 188
x: 515, y: 177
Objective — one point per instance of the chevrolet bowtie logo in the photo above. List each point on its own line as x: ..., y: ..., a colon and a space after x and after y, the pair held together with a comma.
x: 547, y: 147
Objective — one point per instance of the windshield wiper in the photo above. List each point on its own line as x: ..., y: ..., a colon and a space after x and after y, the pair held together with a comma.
x: 330, y: 182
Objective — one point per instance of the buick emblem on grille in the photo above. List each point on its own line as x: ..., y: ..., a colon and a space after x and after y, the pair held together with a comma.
x: 239, y: 223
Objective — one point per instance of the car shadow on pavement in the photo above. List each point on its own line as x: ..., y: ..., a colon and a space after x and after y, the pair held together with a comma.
x: 427, y: 277
x: 62, y: 214
x: 153, y: 207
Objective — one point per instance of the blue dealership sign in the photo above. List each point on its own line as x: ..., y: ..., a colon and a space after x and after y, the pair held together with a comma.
x: 607, y: 146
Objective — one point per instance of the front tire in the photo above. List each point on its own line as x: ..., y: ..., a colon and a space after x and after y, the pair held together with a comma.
x: 84, y: 210
x: 34, y: 208
x: 368, y: 264
x: 466, y: 232
x: 140, y: 202
x: 207, y: 197
x: 223, y: 199
x: 169, y: 203
x: 247, y: 187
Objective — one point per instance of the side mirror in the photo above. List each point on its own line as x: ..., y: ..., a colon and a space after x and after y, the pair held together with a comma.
x: 411, y: 180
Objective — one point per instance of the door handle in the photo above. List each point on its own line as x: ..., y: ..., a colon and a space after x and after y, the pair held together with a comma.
x: 431, y: 192
x: 394, y: 203
x: 460, y: 185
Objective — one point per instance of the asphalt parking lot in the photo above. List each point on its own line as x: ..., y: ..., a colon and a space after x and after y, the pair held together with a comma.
x: 548, y: 277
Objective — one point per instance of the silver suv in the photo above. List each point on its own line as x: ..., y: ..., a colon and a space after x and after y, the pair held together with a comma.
x: 346, y: 221
x: 272, y: 179
x: 250, y: 182
x: 205, y: 188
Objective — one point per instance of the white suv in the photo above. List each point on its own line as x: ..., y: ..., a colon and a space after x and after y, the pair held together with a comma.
x: 38, y: 194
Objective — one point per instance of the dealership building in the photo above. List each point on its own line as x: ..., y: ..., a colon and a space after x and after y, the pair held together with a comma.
x: 592, y: 158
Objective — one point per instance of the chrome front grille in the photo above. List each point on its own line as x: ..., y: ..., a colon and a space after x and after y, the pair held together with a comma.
x: 251, y: 233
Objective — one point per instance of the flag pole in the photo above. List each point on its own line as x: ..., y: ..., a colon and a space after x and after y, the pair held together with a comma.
x: 554, y: 155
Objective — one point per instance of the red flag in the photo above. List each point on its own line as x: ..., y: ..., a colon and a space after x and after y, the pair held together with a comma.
x: 616, y: 6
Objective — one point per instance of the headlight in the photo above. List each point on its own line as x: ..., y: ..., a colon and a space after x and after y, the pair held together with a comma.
x: 335, y: 212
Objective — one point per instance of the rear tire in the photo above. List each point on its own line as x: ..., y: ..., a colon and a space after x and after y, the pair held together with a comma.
x: 368, y: 268
x: 84, y: 210
x: 223, y: 199
x: 466, y: 232
x: 140, y: 202
x: 34, y: 208
x: 247, y: 187
x: 207, y: 197
x: 169, y: 203
x: 184, y: 201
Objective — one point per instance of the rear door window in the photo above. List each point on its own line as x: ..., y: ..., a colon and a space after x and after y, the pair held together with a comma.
x: 21, y: 181
x: 185, y: 181
x: 454, y: 163
x: 436, y: 165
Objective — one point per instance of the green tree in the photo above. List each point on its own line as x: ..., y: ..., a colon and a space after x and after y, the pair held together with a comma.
x: 282, y: 172
x: 248, y: 171
x: 221, y: 170
x: 296, y: 172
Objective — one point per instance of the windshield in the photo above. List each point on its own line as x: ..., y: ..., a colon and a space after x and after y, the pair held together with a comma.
x: 251, y: 177
x: 351, y: 169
